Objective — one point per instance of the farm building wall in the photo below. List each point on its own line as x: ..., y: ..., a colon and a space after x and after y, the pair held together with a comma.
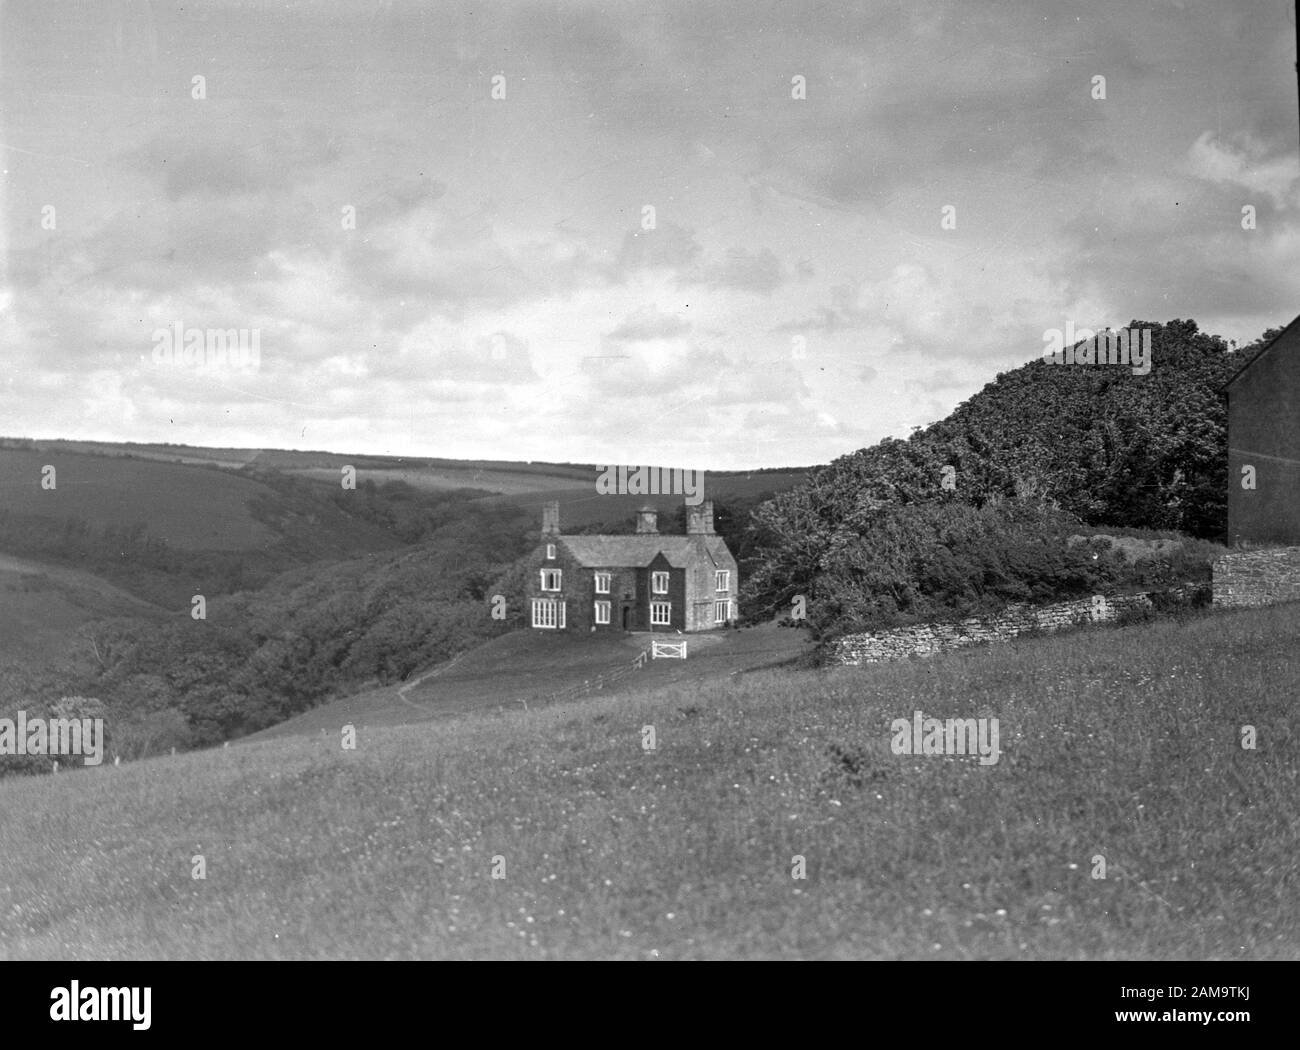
x: 1257, y: 577
x: 1264, y: 434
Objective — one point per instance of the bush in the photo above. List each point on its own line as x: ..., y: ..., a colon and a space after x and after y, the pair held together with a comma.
x: 947, y: 560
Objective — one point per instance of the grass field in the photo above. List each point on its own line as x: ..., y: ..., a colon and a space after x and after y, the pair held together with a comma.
x: 503, y: 477
x: 189, y: 507
x: 526, y: 669
x: 1119, y: 743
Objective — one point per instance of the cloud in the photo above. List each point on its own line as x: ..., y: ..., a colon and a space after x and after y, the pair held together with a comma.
x: 1246, y: 165
x: 646, y: 324
x: 196, y: 162
x: 758, y: 272
x: 437, y: 352
x: 667, y: 246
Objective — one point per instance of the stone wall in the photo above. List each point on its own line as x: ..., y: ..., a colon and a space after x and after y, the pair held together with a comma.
x: 1258, y: 577
x: 929, y: 638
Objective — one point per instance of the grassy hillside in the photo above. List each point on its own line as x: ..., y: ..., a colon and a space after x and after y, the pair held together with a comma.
x: 500, y: 477
x: 186, y: 507
x: 45, y: 616
x: 529, y: 669
x: 1123, y: 743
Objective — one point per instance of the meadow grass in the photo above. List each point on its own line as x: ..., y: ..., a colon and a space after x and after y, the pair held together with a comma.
x: 1123, y: 743
x: 189, y: 507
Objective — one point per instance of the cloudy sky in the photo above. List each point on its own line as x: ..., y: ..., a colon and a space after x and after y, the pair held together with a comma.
x: 650, y: 249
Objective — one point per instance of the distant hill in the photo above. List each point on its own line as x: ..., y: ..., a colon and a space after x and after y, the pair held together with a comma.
x: 183, y: 506
x: 167, y: 521
x: 492, y: 477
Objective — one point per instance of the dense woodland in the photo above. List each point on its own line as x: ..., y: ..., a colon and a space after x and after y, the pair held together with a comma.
x: 875, y: 538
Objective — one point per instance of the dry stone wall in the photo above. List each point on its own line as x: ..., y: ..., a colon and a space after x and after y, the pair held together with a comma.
x: 928, y: 639
x: 1259, y: 577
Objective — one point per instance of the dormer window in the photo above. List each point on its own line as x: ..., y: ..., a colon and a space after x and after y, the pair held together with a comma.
x: 550, y: 551
x: 659, y: 582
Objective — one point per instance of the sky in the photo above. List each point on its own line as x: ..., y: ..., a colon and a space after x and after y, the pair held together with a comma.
x: 717, y: 234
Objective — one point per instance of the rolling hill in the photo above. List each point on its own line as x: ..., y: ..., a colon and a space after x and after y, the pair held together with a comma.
x: 492, y: 477
x: 186, y: 507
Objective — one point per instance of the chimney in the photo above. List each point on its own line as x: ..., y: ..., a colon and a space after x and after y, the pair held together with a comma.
x: 551, y: 518
x: 647, y: 520
x: 699, y: 519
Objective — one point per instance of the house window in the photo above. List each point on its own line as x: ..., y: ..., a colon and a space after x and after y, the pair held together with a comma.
x: 550, y: 551
x: 661, y: 613
x: 722, y: 580
x: 548, y: 612
x: 721, y: 611
x: 602, y: 583
x: 659, y: 582
x: 551, y: 579
x: 602, y: 612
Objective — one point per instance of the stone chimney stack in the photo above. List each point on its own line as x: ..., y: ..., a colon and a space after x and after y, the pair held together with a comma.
x: 699, y: 519
x: 551, y: 518
x: 647, y: 520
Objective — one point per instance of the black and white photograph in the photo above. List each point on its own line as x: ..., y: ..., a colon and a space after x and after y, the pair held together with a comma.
x: 656, y: 480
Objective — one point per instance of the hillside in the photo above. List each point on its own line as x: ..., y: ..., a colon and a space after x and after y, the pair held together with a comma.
x: 1121, y: 744
x: 47, y: 616
x: 536, y: 668
x: 185, y: 507
x: 1079, y: 446
x: 496, y: 477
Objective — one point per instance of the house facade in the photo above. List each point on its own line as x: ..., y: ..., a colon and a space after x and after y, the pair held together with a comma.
x: 644, y: 582
x: 1264, y: 445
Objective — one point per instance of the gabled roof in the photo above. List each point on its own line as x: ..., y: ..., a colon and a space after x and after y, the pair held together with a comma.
x: 1267, y: 347
x: 639, y: 551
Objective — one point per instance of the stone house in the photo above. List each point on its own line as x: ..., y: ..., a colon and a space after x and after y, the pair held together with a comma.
x: 644, y: 582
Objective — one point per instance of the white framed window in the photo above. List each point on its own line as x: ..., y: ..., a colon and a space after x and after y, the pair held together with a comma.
x: 551, y: 579
x: 548, y: 612
x: 550, y: 551
x: 721, y: 611
x: 661, y: 613
x: 659, y: 582
x: 602, y: 583
x: 722, y: 580
x: 602, y: 612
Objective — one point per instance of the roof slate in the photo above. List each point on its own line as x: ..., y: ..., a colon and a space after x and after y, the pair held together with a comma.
x: 639, y: 551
